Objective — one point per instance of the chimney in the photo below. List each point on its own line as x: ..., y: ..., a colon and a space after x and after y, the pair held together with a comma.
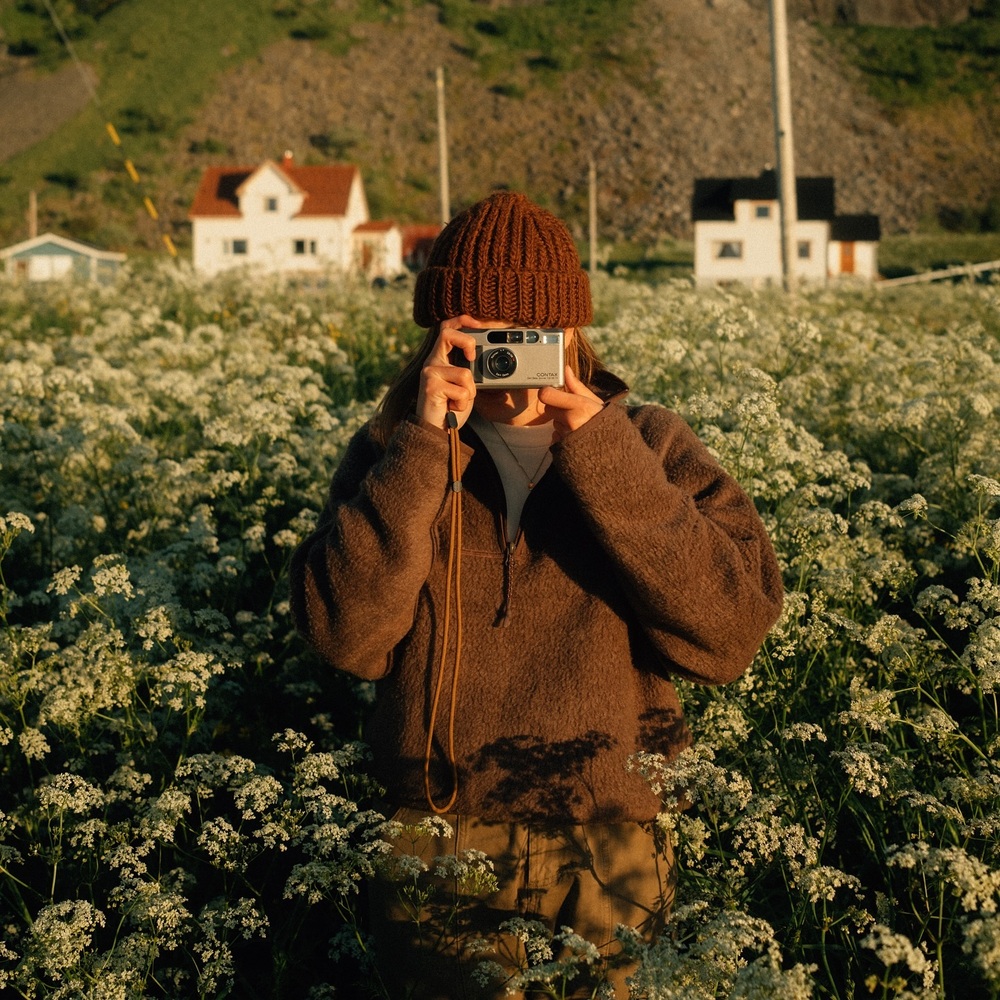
x: 32, y: 215
x: 287, y: 159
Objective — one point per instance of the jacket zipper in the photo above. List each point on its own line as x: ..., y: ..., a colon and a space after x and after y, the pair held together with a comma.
x: 503, y: 615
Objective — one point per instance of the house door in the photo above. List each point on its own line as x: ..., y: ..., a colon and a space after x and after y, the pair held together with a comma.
x: 847, y: 257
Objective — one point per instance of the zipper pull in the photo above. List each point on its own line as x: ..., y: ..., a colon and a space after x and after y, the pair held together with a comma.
x: 503, y: 616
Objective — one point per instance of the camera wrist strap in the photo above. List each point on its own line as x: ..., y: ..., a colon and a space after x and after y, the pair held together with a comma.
x: 454, y: 576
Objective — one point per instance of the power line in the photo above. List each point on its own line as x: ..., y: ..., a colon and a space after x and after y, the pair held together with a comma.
x: 130, y: 167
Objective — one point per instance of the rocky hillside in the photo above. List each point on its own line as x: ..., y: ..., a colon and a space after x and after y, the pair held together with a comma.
x: 682, y: 90
x: 685, y: 92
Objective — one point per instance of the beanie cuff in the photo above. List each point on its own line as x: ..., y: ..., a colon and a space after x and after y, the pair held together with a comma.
x: 530, y: 298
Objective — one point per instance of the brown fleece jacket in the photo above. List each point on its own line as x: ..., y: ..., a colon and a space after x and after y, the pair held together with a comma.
x: 638, y: 558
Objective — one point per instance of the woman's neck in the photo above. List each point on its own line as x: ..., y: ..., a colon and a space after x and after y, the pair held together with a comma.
x: 517, y: 407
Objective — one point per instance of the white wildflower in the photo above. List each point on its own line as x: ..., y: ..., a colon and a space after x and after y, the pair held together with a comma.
x: 33, y: 744
x: 982, y: 942
x: 61, y: 933
x: 112, y: 579
x: 803, y: 731
x: 14, y: 523
x: 982, y: 655
x: 965, y: 876
x: 67, y: 792
x: 915, y: 506
x: 64, y: 580
x: 984, y: 486
x: 892, y: 948
x: 822, y: 882
x: 871, y: 768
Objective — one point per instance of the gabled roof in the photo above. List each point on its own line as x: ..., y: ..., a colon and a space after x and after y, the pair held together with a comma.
x: 376, y: 226
x: 327, y: 188
x: 39, y: 245
x: 271, y: 165
x: 849, y: 228
x: 715, y: 198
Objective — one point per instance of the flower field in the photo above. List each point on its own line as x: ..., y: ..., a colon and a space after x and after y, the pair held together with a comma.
x: 184, y: 810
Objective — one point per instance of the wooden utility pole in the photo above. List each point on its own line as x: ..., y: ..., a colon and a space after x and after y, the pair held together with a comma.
x: 592, y: 188
x: 782, y: 91
x: 443, y: 150
x: 32, y: 215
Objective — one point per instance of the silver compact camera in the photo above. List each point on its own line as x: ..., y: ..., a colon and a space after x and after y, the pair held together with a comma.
x: 515, y: 357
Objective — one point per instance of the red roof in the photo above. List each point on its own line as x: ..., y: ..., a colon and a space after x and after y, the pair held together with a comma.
x: 418, y: 238
x: 327, y: 188
x: 375, y: 226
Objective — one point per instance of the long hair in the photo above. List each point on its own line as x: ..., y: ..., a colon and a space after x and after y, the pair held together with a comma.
x: 401, y: 396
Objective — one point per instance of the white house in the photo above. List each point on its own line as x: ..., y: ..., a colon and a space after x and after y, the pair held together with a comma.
x: 378, y: 249
x: 49, y: 256
x: 283, y: 217
x: 737, y: 232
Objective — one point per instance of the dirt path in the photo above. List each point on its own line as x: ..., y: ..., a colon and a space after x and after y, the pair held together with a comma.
x: 34, y: 103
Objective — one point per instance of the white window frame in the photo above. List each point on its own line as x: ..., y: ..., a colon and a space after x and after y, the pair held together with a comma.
x: 720, y: 248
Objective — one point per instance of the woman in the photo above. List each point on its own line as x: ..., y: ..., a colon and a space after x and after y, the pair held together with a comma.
x: 522, y: 572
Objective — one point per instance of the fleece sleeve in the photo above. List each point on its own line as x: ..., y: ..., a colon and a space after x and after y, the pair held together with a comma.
x: 356, y: 579
x: 691, y: 552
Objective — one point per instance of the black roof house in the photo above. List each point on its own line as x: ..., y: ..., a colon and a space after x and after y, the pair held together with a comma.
x: 861, y: 228
x: 715, y: 198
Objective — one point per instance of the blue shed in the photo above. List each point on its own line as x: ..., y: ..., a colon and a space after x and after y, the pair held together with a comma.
x: 49, y: 256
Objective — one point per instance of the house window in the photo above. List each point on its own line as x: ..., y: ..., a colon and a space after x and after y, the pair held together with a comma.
x: 729, y: 249
x: 762, y: 211
x: 805, y: 250
x: 239, y: 246
x: 270, y: 204
x: 305, y: 246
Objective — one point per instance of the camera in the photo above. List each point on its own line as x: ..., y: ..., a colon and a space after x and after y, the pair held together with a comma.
x: 515, y: 357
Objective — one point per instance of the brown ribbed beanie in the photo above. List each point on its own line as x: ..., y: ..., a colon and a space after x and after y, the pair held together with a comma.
x: 504, y: 258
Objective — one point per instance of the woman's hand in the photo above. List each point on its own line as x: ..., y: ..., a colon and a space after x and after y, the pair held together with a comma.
x: 569, y: 408
x: 444, y: 386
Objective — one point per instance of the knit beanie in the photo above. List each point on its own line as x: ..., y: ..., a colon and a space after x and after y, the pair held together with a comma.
x: 504, y: 258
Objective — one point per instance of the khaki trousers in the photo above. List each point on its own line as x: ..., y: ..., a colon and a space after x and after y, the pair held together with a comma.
x: 590, y: 878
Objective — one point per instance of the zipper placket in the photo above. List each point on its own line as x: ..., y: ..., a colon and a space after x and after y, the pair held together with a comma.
x: 503, y: 615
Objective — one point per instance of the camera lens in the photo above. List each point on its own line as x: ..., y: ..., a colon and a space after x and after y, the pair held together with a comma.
x: 500, y: 363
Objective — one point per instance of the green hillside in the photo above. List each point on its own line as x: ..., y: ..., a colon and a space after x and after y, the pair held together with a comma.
x: 156, y: 64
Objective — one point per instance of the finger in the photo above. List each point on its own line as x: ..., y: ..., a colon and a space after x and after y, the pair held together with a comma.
x: 444, y: 389
x: 449, y: 338
x: 558, y: 399
x: 578, y: 387
x: 448, y: 378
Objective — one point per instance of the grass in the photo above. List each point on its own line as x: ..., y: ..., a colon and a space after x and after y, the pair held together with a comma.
x: 155, y: 63
x: 912, y: 253
x: 908, y: 253
x: 547, y: 38
x: 918, y: 67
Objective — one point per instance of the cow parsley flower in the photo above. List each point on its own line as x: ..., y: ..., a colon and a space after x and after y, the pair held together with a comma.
x: 915, y: 506
x: 64, y: 580
x: 60, y: 934
x: 33, y: 744
x: 823, y: 881
x: 112, y: 579
x: 70, y: 793
x: 892, y: 948
x: 982, y: 942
